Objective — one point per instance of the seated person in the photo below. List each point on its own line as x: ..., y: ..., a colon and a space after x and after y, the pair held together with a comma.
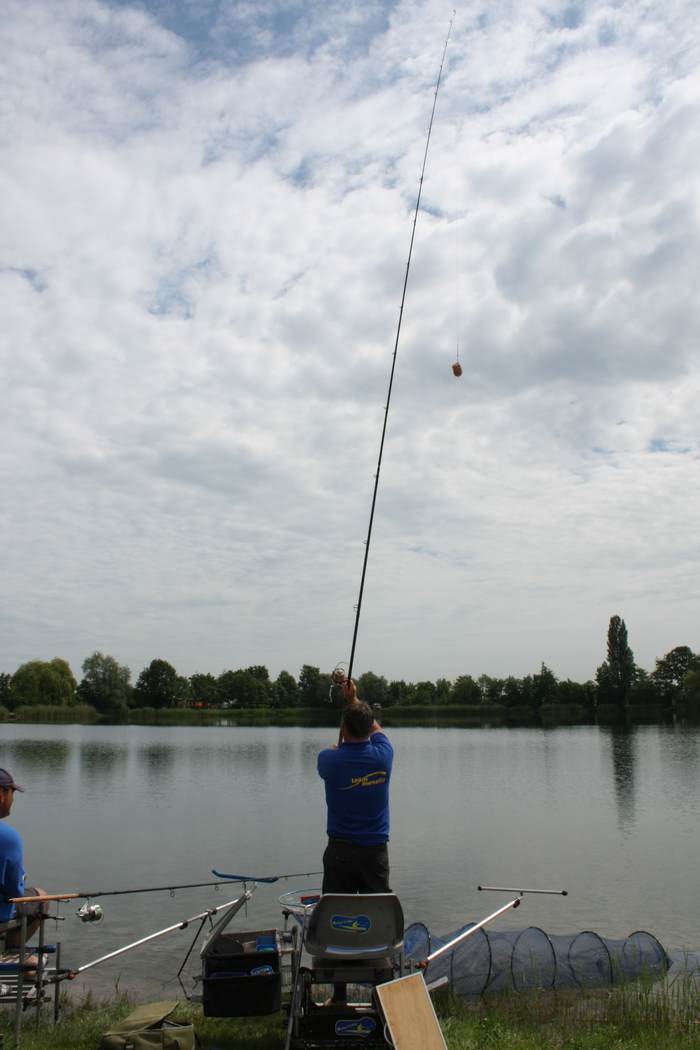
x: 12, y: 871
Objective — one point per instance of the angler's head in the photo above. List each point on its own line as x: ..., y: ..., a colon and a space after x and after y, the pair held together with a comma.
x: 7, y: 792
x: 357, y: 721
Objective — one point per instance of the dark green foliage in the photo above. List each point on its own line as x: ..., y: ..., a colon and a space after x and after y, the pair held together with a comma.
x: 544, y: 687
x: 513, y: 692
x: 582, y: 694
x: 670, y: 671
x: 310, y: 686
x: 491, y: 690
x: 399, y: 692
x: 42, y: 682
x: 688, y: 700
x: 204, y: 689
x: 616, y: 676
x: 285, y: 691
x: 465, y: 691
x: 372, y: 688
x: 425, y: 693
x: 5, y: 691
x: 105, y: 686
x: 158, y: 686
x: 243, y: 689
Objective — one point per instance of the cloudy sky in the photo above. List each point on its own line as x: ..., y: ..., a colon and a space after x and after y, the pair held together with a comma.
x: 205, y: 215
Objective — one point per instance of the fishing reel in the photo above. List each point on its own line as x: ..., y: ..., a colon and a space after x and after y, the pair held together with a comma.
x: 89, y: 912
x: 338, y: 678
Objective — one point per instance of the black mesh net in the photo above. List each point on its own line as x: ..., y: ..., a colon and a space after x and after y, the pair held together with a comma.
x: 530, y: 958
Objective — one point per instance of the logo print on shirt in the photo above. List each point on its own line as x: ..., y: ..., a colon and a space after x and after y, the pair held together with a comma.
x: 368, y: 780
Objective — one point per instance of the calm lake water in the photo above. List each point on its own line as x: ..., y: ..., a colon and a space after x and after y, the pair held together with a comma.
x: 610, y: 815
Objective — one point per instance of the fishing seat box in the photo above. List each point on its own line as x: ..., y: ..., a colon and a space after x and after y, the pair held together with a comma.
x: 242, y: 975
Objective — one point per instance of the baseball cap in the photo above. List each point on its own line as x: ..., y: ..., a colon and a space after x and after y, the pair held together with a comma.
x: 6, y: 781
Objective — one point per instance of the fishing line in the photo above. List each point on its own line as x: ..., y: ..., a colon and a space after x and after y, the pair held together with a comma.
x: 358, y: 608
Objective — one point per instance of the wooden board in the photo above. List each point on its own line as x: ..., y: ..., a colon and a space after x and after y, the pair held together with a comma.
x: 410, y: 1015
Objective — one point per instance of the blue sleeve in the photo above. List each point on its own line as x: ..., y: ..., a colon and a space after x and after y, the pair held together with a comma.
x: 322, y: 762
x: 11, y: 870
x: 380, y: 741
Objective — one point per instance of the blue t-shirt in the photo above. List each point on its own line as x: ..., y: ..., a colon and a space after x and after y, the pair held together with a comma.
x: 357, y: 789
x: 11, y: 870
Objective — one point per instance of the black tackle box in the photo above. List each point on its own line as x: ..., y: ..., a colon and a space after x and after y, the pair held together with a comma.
x: 241, y: 975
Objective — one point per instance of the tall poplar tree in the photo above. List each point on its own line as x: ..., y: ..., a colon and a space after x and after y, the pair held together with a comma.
x: 617, y: 674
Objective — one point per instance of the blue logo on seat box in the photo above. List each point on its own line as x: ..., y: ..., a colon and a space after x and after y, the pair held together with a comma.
x: 359, y: 1026
x: 351, y: 923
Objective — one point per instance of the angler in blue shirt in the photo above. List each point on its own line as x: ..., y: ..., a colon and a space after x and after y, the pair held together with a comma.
x: 357, y: 775
x: 12, y: 868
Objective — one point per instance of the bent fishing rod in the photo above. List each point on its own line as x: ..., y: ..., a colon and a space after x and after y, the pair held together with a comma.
x: 358, y: 608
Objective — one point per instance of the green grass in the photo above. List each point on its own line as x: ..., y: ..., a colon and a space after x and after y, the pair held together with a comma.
x: 637, y: 1017
x: 59, y: 713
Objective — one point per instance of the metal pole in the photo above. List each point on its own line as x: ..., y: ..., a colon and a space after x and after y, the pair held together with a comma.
x: 467, y: 933
x: 169, y: 929
x: 512, y: 889
x: 17, y: 1030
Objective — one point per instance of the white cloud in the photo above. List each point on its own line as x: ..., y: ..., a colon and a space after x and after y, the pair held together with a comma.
x: 205, y: 217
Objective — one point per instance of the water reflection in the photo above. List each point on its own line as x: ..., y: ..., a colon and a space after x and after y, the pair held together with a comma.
x: 623, y: 749
x: 102, y: 764
x: 45, y: 757
x: 158, y: 762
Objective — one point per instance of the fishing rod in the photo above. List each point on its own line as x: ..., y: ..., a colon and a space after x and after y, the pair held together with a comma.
x: 358, y: 608
x: 233, y: 907
x: 224, y: 880
x: 265, y: 878
x: 111, y: 893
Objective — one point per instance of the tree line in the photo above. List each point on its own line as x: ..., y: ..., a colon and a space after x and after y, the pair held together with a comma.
x: 674, y: 684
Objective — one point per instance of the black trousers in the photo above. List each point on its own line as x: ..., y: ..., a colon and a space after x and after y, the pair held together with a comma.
x: 349, y: 868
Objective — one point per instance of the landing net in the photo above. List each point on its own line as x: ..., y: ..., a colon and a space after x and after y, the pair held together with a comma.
x: 530, y: 958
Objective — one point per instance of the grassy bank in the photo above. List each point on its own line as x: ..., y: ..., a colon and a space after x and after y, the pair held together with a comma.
x: 638, y: 1017
x: 447, y: 716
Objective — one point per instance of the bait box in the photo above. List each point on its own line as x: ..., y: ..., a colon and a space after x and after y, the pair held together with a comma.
x: 231, y: 987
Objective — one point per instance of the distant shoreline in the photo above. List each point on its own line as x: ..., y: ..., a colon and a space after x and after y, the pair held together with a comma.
x: 409, y: 716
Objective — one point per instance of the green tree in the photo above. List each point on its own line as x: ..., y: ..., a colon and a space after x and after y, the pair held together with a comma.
x: 285, y: 691
x: 372, y: 688
x: 491, y: 689
x: 261, y: 676
x: 159, y: 686
x: 544, y: 687
x: 670, y: 671
x: 105, y: 685
x: 644, y: 691
x: 43, y: 682
x: 616, y: 675
x: 241, y: 689
x: 465, y: 691
x: 400, y: 692
x: 204, y: 690
x: 425, y: 694
x: 443, y: 691
x: 688, y: 702
x: 513, y: 693
x: 310, y: 686
x: 581, y: 694
x: 6, y: 691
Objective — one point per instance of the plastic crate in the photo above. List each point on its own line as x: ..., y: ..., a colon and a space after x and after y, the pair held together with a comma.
x: 242, y: 975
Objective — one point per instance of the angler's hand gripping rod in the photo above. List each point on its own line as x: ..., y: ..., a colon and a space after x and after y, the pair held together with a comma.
x: 396, y: 347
